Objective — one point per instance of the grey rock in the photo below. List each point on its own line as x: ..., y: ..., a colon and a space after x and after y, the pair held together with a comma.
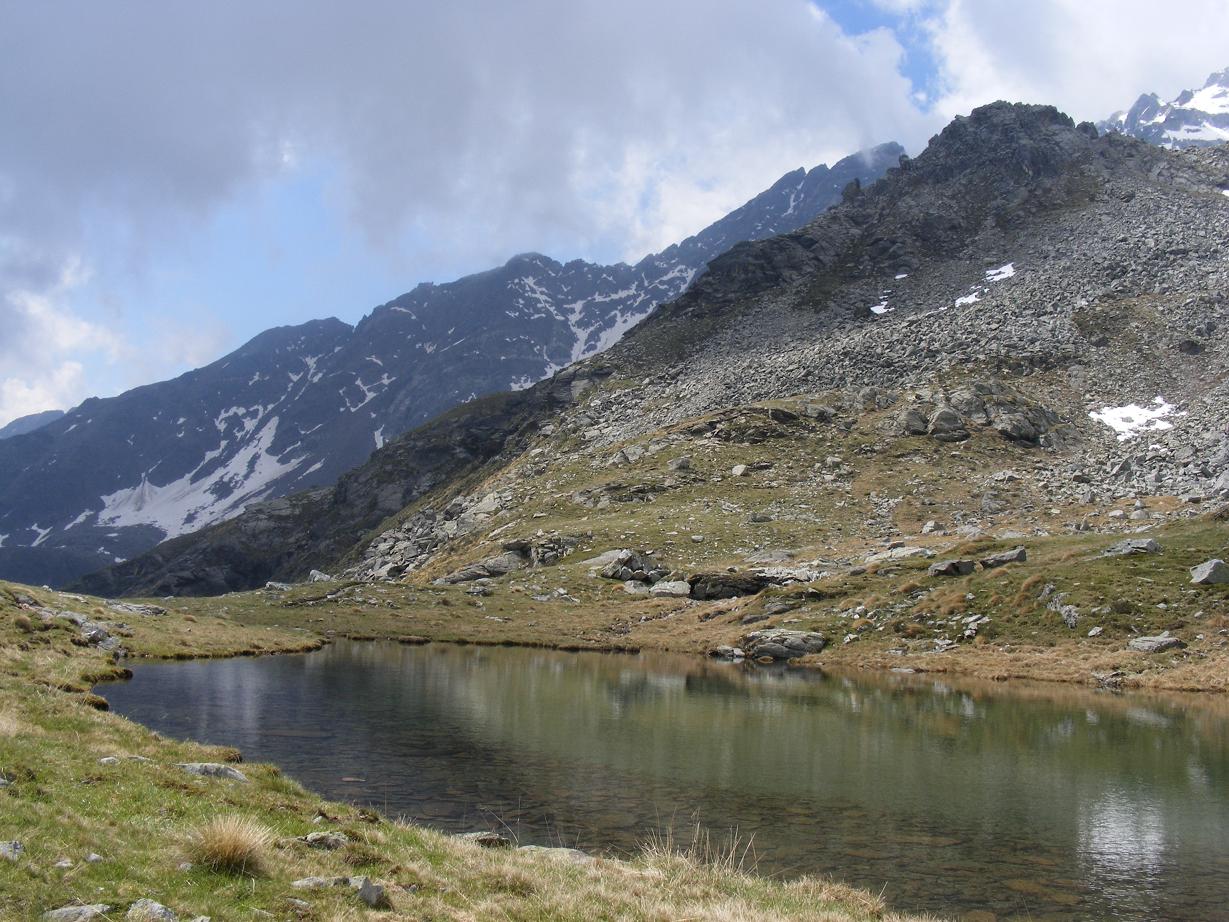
x: 319, y: 883
x: 370, y: 892
x: 77, y: 913
x: 727, y: 652
x: 274, y: 586
x: 11, y: 851
x: 329, y: 841
x: 1157, y: 644
x: 682, y: 463
x: 318, y: 576
x: 899, y: 553
x: 213, y: 770
x: 574, y: 855
x: 489, y: 568
x: 671, y: 589
x: 1015, y: 555
x: 146, y: 910
x: 714, y: 586
x: 952, y: 568
x: 781, y: 643
x: 1133, y: 546
x: 1210, y: 573
x: 739, y: 470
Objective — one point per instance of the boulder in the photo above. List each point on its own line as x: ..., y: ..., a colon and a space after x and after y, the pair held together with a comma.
x: 575, y: 855
x: 952, y: 568
x: 146, y: 910
x: 318, y: 576
x: 682, y: 463
x: 946, y: 425
x: 712, y: 586
x: 319, y: 883
x: 77, y: 913
x: 739, y: 470
x: 671, y: 589
x: 329, y: 841
x: 1210, y: 573
x: 213, y: 770
x: 1133, y: 546
x: 913, y: 422
x: 899, y: 553
x: 727, y: 652
x: 11, y: 851
x: 489, y: 568
x: 630, y: 565
x: 780, y: 643
x: 1015, y: 555
x: 1158, y: 644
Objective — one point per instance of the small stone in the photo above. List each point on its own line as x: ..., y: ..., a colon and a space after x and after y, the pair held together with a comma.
x: 679, y: 464
x: 63, y: 863
x: 486, y: 839
x: 697, y: 539
x: 738, y: 470
x: 326, y: 840
x: 109, y: 760
x: 297, y: 903
x: 77, y: 913
x: 567, y: 854
x: 318, y: 883
x: 213, y: 770
x: 184, y: 866
x: 370, y: 892
x: 93, y: 858
x: 1096, y: 631
x: 1210, y: 573
x: 11, y: 851
x: 146, y: 910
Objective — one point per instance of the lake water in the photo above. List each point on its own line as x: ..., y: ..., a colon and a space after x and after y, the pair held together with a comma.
x: 1021, y: 803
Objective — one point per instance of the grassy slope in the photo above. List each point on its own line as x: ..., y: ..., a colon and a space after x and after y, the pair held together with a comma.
x: 140, y: 816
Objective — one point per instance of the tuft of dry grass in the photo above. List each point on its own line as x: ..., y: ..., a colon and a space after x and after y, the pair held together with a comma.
x: 23, y: 623
x: 232, y: 845
x: 730, y: 856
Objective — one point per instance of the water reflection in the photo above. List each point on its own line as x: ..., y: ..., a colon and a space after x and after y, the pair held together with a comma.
x: 1068, y: 805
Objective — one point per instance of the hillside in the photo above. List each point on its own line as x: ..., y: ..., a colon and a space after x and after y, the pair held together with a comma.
x: 1018, y: 276
x: 297, y: 407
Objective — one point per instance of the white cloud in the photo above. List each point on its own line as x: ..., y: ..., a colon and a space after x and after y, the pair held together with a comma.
x: 1089, y: 58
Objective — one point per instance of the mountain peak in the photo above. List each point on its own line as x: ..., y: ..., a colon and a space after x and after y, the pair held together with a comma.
x: 1193, y: 118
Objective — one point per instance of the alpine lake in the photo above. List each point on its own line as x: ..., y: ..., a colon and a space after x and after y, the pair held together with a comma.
x: 974, y: 801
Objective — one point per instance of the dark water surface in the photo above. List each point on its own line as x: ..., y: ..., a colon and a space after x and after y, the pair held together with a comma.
x: 1028, y: 803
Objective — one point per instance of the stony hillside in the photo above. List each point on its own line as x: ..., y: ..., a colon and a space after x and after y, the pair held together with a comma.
x: 1194, y: 118
x: 297, y: 407
x: 1011, y: 340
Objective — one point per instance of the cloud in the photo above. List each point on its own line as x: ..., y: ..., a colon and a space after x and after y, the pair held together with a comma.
x: 1089, y: 58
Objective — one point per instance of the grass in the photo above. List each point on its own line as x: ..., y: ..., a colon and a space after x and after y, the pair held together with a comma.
x: 144, y: 817
x: 232, y: 845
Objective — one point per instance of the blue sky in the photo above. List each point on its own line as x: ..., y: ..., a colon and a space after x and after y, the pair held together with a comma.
x: 173, y: 180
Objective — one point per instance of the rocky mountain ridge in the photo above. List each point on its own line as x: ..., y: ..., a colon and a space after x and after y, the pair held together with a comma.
x: 1194, y: 118
x: 297, y: 407
x: 1041, y: 298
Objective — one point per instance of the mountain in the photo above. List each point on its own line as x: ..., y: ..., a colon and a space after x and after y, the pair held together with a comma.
x: 1018, y: 332
x: 1195, y: 118
x: 297, y: 407
x: 24, y: 424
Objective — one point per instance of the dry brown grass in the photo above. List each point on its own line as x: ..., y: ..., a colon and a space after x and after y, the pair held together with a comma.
x: 23, y: 623
x: 232, y: 845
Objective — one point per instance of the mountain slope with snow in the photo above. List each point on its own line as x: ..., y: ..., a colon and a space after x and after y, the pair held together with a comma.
x: 1194, y: 118
x: 297, y: 407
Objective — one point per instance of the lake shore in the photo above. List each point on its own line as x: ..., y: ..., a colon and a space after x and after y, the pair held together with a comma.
x: 106, y: 815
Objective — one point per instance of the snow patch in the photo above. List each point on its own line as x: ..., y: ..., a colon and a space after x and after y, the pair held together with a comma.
x: 969, y: 299
x: 1131, y: 419
x: 379, y: 437
x: 1001, y: 273
x: 903, y: 275
x: 183, y: 505
x: 42, y: 535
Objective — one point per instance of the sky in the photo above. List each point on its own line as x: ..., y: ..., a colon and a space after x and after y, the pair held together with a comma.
x: 175, y: 178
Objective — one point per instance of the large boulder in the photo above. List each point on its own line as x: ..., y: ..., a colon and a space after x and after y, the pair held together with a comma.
x: 1015, y: 555
x: 952, y: 568
x: 1133, y: 546
x: 1210, y: 573
x: 780, y: 643
x: 1157, y: 644
x: 489, y: 568
x: 714, y: 586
